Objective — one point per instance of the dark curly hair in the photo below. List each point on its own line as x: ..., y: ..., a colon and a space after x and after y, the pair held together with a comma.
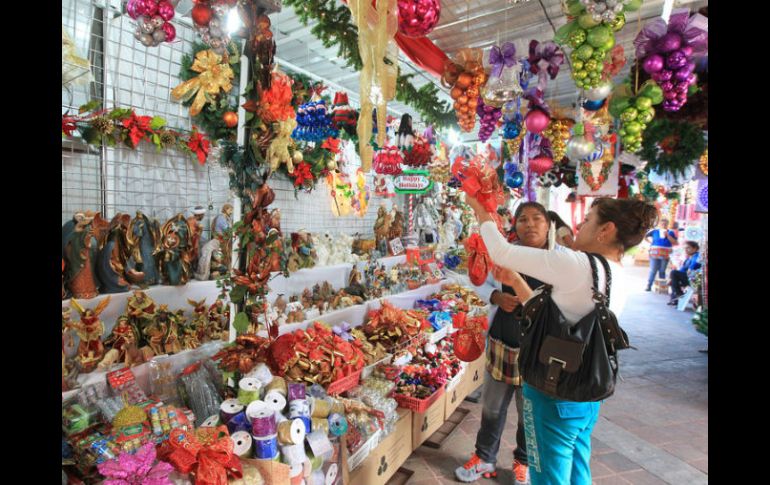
x: 632, y: 218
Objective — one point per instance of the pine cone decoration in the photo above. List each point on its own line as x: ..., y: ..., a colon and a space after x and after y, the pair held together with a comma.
x: 167, y: 138
x: 103, y: 125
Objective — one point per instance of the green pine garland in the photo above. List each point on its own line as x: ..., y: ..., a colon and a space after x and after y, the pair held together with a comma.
x: 210, y: 117
x: 687, y: 141
x: 701, y: 321
x: 334, y: 26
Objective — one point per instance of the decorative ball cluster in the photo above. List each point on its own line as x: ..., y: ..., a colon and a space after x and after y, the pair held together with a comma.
x: 466, y: 95
x: 388, y: 161
x: 489, y: 117
x: 153, y: 21
x: 313, y: 123
x: 672, y: 69
x: 558, y: 134
x: 635, y: 114
x: 604, y: 10
x: 418, y: 18
x: 210, y: 20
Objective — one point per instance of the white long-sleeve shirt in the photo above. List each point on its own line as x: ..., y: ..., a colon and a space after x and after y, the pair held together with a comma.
x: 569, y: 272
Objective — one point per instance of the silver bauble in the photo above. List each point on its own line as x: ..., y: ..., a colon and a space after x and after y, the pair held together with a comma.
x: 579, y: 147
x: 157, y: 21
x: 608, y: 16
x: 600, y: 7
x: 220, y: 10
x: 617, y: 8
x: 602, y: 91
x: 214, y: 23
x: 597, y: 17
x: 216, y: 44
x: 206, y: 37
x: 216, y: 31
x: 146, y: 40
x: 611, y: 3
x: 138, y: 33
x: 146, y: 25
x: 585, y: 2
x: 159, y: 35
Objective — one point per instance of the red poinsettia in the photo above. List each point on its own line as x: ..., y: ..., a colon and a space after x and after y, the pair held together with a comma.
x: 302, y: 173
x: 137, y: 127
x: 332, y: 144
x: 199, y: 145
x: 68, y: 125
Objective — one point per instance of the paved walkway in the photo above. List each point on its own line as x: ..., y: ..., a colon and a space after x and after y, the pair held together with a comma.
x: 654, y: 430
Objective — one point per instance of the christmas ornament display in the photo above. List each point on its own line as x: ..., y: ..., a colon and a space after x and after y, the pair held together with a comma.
x: 635, y: 112
x: 489, y: 116
x: 231, y: 119
x: 558, y: 134
x: 544, y: 60
x: 672, y: 146
x: 418, y: 18
x: 387, y: 161
x: 503, y: 84
x: 591, y: 35
x: 579, y: 147
x: 215, y: 75
x: 210, y: 21
x: 465, y: 77
x: 153, y: 21
x: 667, y: 51
x: 314, y: 123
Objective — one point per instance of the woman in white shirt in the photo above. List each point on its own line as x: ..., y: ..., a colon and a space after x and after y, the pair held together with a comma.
x: 558, y: 432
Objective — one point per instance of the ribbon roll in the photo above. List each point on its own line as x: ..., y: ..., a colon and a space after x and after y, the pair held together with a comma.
x: 277, y: 384
x: 295, y: 472
x: 291, y: 432
x: 320, y: 445
x: 319, y: 424
x: 264, y: 426
x: 280, y: 418
x: 229, y: 408
x: 317, y: 391
x: 316, y: 462
x: 265, y: 448
x: 299, y: 408
x: 293, y: 454
x: 331, y: 474
x: 337, y: 407
x: 248, y: 390
x: 275, y: 400
x: 258, y: 409
x: 317, y: 478
x: 320, y: 408
x: 239, y: 422
x: 296, y: 392
x: 242, y: 442
x: 262, y: 373
x: 211, y: 422
x: 338, y: 425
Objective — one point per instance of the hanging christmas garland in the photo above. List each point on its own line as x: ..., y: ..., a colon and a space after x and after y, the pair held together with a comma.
x: 334, y: 26
x: 219, y: 117
x: 671, y: 146
x: 122, y: 126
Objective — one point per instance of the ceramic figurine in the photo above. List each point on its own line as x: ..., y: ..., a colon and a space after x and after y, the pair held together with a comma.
x: 196, y: 234
x: 81, y: 249
x: 158, y: 329
x: 211, y: 264
x: 355, y: 288
x: 90, y: 330
x: 382, y: 228
x: 221, y: 229
x: 123, y: 334
x: 175, y: 251
x: 219, y: 320
x: 143, y: 236
x: 114, y: 256
x: 426, y: 218
x: 396, y: 229
x: 200, y: 319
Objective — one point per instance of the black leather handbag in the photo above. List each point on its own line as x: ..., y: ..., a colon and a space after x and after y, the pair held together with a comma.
x: 571, y: 362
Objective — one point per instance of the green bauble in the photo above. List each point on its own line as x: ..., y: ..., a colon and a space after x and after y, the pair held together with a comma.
x: 618, y: 104
x: 591, y: 65
x: 629, y: 114
x: 609, y: 44
x: 594, y: 75
x: 628, y: 140
x: 622, y: 132
x: 586, y: 21
x: 576, y: 38
x: 585, y: 51
x: 574, y: 8
x: 633, y: 128
x: 581, y: 74
x: 643, y: 103
x: 633, y: 5
x: 599, y: 55
x: 599, y: 36
x: 577, y: 65
x: 652, y: 91
x: 646, y: 116
x: 574, y: 56
x: 618, y: 23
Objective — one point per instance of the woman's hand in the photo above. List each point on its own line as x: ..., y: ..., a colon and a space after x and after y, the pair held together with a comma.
x: 504, y: 276
x: 481, y: 213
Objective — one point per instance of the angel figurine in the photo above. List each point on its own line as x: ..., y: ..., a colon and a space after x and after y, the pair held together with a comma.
x: 140, y: 309
x: 90, y: 330
x: 175, y: 251
x: 158, y: 329
x: 381, y: 229
x: 219, y: 320
x: 396, y: 229
x: 200, y: 319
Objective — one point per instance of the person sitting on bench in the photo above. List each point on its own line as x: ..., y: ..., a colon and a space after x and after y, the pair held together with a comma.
x: 681, y: 278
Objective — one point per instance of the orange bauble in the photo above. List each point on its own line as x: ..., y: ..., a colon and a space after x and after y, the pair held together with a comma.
x: 231, y: 119
x: 457, y: 105
x: 464, y: 80
x: 480, y: 79
x: 472, y: 92
x: 463, y: 99
x: 472, y: 103
x: 456, y: 92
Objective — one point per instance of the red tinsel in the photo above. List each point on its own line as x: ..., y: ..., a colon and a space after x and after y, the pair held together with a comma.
x: 479, y: 262
x: 419, y: 154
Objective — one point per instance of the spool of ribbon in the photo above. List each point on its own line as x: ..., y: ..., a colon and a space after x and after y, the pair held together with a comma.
x: 277, y: 384
x: 296, y: 392
x: 320, y: 445
x: 319, y: 424
x: 316, y: 462
x: 211, y: 422
x: 258, y: 409
x: 291, y: 432
x: 293, y: 454
x: 264, y: 426
x: 275, y: 400
x: 331, y: 474
x: 265, y: 448
x: 338, y: 425
x: 263, y: 374
x: 317, y: 478
x: 298, y: 408
x: 239, y: 422
x: 320, y: 408
x: 248, y: 390
x: 229, y: 408
x: 241, y: 443
x: 500, y: 58
x: 337, y: 407
x: 318, y: 391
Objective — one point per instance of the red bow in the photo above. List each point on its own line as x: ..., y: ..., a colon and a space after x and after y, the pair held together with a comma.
x: 332, y: 144
x: 138, y: 126
x: 481, y: 182
x: 199, y: 145
x: 207, y: 454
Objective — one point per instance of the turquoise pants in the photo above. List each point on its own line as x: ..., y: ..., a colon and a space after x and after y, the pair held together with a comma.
x: 558, y: 435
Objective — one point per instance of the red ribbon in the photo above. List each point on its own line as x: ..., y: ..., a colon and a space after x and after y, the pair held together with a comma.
x: 210, y: 463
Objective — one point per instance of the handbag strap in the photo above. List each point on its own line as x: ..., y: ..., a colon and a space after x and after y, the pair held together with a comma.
x: 598, y: 296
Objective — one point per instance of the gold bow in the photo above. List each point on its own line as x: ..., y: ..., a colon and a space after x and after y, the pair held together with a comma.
x: 214, y: 75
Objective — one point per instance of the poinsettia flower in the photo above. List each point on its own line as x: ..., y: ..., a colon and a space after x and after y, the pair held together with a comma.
x: 251, y: 106
x: 302, y: 173
x: 137, y: 469
x: 137, y: 126
x: 199, y: 145
x: 332, y: 144
x: 68, y: 125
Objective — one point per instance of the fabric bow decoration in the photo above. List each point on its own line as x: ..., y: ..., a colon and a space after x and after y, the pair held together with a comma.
x: 502, y: 57
x: 693, y: 30
x: 343, y: 331
x: 545, y: 58
x: 214, y: 76
x: 480, y: 182
x: 137, y: 469
x: 207, y: 454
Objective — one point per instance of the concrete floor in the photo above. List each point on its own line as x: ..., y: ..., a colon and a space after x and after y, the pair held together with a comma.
x: 654, y: 430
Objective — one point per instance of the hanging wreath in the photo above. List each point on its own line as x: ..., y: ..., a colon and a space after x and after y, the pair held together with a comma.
x: 671, y: 146
x: 217, y: 116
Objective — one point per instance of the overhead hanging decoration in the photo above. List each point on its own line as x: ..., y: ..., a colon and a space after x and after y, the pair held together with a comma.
x: 667, y: 50
x: 591, y: 35
x: 419, y: 154
x: 703, y: 162
x: 210, y: 22
x: 558, y: 134
x: 635, y: 111
x: 488, y: 118
x: 544, y: 60
x: 465, y: 77
x: 418, y: 18
x: 387, y: 160
x: 672, y: 146
x: 344, y: 117
x: 503, y: 84
x: 153, y: 20
x: 314, y: 123
x: 214, y: 75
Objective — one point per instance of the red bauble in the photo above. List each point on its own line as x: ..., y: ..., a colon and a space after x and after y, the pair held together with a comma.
x: 540, y: 165
x: 231, y: 119
x: 201, y: 14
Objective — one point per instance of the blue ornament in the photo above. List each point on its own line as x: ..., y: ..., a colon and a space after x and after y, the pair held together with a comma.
x: 594, y: 105
x: 511, y: 130
x: 596, y: 155
x: 515, y: 180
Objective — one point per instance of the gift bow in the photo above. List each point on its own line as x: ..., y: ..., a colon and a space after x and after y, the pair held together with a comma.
x: 545, y: 58
x: 343, y: 331
x: 694, y: 32
x: 214, y: 75
x: 210, y: 459
x: 136, y: 469
x: 501, y: 57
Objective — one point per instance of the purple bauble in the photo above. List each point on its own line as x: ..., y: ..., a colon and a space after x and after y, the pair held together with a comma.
x: 135, y: 8
x: 667, y: 86
x: 681, y: 75
x: 676, y: 60
x: 653, y: 63
x: 681, y: 97
x: 665, y: 75
x: 669, y: 94
x: 669, y: 42
x: 671, y: 105
x: 657, y: 77
x: 692, y: 79
x: 681, y: 87
x: 687, y: 50
x: 166, y: 10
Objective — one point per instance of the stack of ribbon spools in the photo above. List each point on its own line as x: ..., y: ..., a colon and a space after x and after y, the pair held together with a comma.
x: 272, y: 419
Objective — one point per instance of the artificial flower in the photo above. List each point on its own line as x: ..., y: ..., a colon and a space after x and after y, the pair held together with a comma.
x: 137, y: 127
x: 199, y: 145
x: 136, y: 469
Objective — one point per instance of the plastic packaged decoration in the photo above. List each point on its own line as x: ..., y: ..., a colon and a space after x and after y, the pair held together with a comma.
x: 201, y: 393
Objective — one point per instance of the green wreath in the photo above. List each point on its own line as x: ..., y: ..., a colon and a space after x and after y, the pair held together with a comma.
x: 671, y: 146
x: 210, y: 117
